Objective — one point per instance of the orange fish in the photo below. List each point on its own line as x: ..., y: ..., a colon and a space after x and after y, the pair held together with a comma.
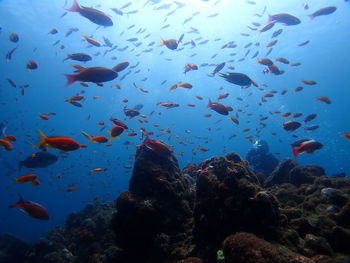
x: 25, y: 178
x: 63, y: 143
x: 98, y: 139
x: 6, y: 144
x: 33, y: 209
x: 346, y: 135
x: 92, y: 41
x: 115, y: 132
x: 219, y: 108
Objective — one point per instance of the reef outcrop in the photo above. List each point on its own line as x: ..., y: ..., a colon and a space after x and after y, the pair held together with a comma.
x: 154, y: 219
x: 216, y: 211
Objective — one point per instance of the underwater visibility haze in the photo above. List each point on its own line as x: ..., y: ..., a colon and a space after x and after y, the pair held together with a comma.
x: 86, y: 85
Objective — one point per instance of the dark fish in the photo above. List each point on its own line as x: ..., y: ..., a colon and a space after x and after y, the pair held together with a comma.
x: 180, y: 38
x: 310, y: 117
x: 255, y: 55
x: 267, y: 27
x: 117, y: 11
x: 311, y: 128
x: 108, y: 43
x: 78, y: 57
x: 126, y: 5
x: 323, y: 11
x: 284, y: 18
x: 277, y: 33
x: 131, y: 12
x: 187, y: 20
x: 291, y: 125
x: 39, y: 160
x: 304, y: 43
x: 10, y: 53
x: 239, y: 79
x: 94, y: 15
x: 71, y: 30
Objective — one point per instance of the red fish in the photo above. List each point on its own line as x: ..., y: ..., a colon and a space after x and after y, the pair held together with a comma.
x: 92, y: 74
x: 307, y: 146
x: 63, y: 143
x: 33, y: 209
x: 94, y: 15
x: 219, y: 108
x: 157, y: 146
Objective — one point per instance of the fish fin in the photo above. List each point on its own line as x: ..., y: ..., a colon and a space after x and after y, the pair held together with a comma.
x: 74, y: 8
x: 17, y: 204
x: 70, y: 79
x: 295, y: 152
x: 111, y: 138
x: 209, y: 104
x: 14, y: 180
x: 86, y: 135
x: 42, y: 139
x: 311, y: 17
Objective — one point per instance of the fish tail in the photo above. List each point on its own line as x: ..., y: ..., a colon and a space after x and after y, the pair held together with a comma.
x: 17, y: 204
x: 42, y: 139
x: 111, y: 138
x: 14, y: 180
x: 87, y: 135
x: 270, y: 19
x: 311, y: 17
x: 74, y: 8
x: 70, y: 79
x: 295, y: 152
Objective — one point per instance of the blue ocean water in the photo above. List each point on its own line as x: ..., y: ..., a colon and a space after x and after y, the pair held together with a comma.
x: 325, y: 59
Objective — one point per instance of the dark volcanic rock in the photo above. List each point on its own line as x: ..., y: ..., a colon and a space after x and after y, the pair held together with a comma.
x: 153, y: 222
x: 305, y: 174
x: 228, y: 200
x: 318, y: 244
x: 247, y: 248
x: 281, y: 173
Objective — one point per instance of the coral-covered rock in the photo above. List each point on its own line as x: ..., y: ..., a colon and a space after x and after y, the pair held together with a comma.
x: 343, y: 217
x: 281, y: 173
x: 305, y: 174
x: 229, y: 199
x: 85, y: 235
x: 247, y: 248
x: 318, y: 244
x: 153, y: 222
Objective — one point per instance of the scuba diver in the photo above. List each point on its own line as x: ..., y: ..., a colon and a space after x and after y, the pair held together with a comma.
x: 260, y: 159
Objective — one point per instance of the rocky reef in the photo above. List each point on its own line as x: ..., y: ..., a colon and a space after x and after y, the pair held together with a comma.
x: 215, y: 211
